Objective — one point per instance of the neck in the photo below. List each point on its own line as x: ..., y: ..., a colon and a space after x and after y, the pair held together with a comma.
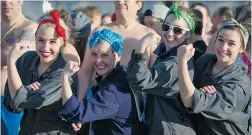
x: 221, y: 66
x: 43, y: 66
x: 12, y: 20
x: 125, y: 22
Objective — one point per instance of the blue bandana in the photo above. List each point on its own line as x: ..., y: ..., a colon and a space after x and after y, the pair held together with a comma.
x: 113, y: 38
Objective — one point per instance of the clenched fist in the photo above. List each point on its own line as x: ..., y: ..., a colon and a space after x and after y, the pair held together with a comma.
x: 71, y: 68
x: 185, y: 52
x: 148, y: 40
x: 19, y: 49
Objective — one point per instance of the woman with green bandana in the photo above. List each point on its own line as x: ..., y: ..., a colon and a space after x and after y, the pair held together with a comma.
x: 165, y: 113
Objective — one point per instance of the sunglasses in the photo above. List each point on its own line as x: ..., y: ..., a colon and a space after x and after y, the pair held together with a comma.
x: 175, y: 29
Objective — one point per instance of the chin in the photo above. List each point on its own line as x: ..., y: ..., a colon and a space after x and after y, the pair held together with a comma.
x: 172, y: 45
x: 101, y: 74
x: 46, y: 60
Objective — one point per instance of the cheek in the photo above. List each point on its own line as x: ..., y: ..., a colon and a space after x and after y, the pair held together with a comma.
x: 110, y: 61
x: 39, y: 45
x: 56, y: 48
x: 235, y: 51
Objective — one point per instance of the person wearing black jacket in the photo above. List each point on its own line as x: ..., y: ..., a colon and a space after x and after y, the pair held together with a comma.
x: 164, y: 111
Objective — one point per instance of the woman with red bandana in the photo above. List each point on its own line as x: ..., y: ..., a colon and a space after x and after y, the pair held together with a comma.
x: 34, y: 80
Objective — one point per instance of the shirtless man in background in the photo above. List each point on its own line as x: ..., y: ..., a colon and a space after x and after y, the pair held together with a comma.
x: 14, y: 28
x: 132, y: 31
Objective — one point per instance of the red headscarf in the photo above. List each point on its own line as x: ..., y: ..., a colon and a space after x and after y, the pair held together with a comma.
x: 56, y: 20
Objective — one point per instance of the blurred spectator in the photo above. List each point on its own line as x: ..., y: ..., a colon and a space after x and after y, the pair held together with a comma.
x: 15, y: 27
x: 94, y: 15
x: 196, y: 38
x: 220, y: 15
x: 113, y: 17
x: 207, y: 24
x: 155, y: 16
x: 106, y: 19
x: 243, y: 15
x: 80, y: 27
x: 182, y: 3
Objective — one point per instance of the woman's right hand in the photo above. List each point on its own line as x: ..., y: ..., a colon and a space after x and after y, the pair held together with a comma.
x: 148, y: 40
x: 19, y: 49
x: 71, y: 68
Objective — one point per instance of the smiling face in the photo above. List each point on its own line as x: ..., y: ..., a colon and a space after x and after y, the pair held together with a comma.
x: 170, y: 37
x: 48, y: 43
x: 127, y: 7
x: 228, y: 45
x: 103, y: 58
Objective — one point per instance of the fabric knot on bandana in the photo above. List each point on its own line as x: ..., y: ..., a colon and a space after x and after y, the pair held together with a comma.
x: 56, y: 21
x: 177, y: 13
x: 113, y: 38
x: 243, y: 30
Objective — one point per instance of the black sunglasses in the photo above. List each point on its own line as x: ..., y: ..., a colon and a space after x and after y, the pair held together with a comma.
x: 175, y: 29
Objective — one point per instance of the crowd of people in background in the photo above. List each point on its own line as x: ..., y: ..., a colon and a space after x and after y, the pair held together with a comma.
x: 176, y: 70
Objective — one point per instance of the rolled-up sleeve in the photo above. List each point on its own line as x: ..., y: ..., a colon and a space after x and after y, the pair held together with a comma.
x: 49, y: 93
x: 8, y: 102
x: 103, y: 105
x: 158, y: 80
x: 220, y: 105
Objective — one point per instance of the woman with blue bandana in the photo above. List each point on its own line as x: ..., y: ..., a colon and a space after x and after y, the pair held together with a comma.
x: 111, y: 110
x: 221, y: 93
x: 165, y: 112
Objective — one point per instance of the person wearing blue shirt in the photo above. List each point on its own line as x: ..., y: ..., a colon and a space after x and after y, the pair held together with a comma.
x: 112, y: 108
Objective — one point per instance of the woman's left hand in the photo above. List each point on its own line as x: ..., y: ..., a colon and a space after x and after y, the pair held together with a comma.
x: 71, y: 68
x: 34, y: 86
x: 208, y: 89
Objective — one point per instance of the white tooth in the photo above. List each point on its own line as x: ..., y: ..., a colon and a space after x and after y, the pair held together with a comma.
x: 100, y: 67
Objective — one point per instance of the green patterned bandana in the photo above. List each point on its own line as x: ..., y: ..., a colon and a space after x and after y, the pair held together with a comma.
x: 177, y: 13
